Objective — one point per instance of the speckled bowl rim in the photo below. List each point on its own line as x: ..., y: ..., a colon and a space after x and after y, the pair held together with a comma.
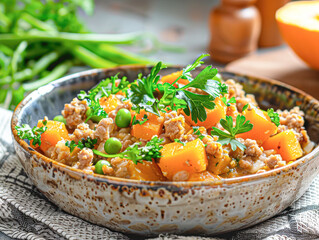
x: 228, y: 182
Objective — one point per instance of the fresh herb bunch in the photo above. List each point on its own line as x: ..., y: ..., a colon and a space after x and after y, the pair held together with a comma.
x: 228, y: 137
x: 142, y: 92
x: 40, y: 40
x: 34, y: 134
x: 274, y: 117
x: 136, y: 153
x: 88, y: 143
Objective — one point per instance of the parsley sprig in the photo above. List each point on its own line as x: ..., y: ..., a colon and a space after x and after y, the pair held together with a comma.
x: 228, y: 137
x: 142, y: 92
x: 34, y: 134
x: 274, y: 117
x: 136, y: 153
x: 88, y: 143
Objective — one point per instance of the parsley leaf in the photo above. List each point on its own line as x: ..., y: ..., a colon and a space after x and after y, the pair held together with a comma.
x: 142, y: 91
x: 140, y: 122
x: 229, y: 137
x: 136, y: 153
x: 196, y: 104
x: 228, y: 102
x: 198, y: 133
x: 88, y: 143
x: 274, y: 117
x: 34, y: 134
x: 244, y: 108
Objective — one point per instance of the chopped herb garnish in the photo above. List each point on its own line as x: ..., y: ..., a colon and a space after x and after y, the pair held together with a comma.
x: 198, y: 133
x: 274, y: 117
x: 225, y: 138
x: 136, y: 153
x: 244, y: 108
x: 140, y: 122
x: 33, y: 135
x: 179, y: 141
x: 228, y: 102
x: 88, y: 143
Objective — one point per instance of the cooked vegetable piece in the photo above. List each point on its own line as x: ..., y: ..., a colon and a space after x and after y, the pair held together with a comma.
x: 147, y: 171
x: 219, y: 165
x: 112, y: 145
x: 263, y: 127
x: 153, y: 126
x: 59, y: 118
x: 213, y: 115
x: 173, y: 76
x: 123, y: 118
x: 176, y: 157
x: 99, y: 166
x: 109, y: 103
x: 203, y: 176
x: 286, y: 144
x: 55, y: 132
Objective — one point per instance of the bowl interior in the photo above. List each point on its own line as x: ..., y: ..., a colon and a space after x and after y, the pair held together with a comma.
x: 50, y: 99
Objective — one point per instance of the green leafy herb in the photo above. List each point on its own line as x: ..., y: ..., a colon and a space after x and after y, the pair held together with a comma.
x: 274, y: 117
x: 136, y: 153
x: 34, y: 134
x: 140, y: 122
x: 92, y: 98
x: 198, y: 133
x: 142, y: 91
x: 88, y: 143
x: 228, y: 102
x: 179, y: 141
x: 244, y: 108
x: 228, y: 137
x: 193, y: 104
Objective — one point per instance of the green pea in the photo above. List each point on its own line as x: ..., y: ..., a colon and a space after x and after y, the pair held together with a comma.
x: 99, y: 166
x: 123, y: 118
x: 112, y: 145
x: 59, y: 118
x: 95, y: 119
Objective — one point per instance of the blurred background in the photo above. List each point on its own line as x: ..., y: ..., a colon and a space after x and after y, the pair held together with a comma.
x: 41, y: 41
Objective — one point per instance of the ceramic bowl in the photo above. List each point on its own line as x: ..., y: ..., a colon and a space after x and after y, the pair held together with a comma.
x: 150, y: 208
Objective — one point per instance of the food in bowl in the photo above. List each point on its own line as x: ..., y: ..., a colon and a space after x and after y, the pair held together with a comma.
x: 176, y: 127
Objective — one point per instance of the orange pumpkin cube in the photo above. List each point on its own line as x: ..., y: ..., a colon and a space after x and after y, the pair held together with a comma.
x: 213, y: 115
x: 146, y: 171
x: 263, y: 127
x: 286, y: 144
x: 172, y: 77
x: 176, y: 157
x: 203, y: 176
x: 109, y: 103
x: 56, y: 131
x: 153, y: 126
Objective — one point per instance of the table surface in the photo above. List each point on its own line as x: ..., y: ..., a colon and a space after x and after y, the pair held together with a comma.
x: 184, y: 23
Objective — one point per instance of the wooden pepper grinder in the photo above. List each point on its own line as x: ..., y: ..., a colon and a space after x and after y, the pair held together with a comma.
x: 270, y: 35
x: 235, y: 28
